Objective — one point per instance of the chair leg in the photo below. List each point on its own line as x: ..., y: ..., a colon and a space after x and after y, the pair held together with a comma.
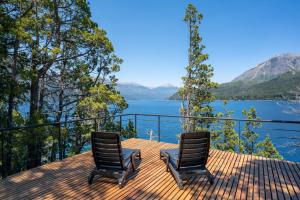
x: 180, y: 185
x: 133, y: 162
x: 133, y: 157
x: 167, y: 162
x: 122, y: 178
x: 91, y: 177
x: 176, y: 176
x: 210, y: 177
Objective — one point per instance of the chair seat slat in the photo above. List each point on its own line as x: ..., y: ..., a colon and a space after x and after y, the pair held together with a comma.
x: 105, y: 150
x: 106, y: 146
x: 196, y: 141
x: 194, y: 146
x: 105, y: 141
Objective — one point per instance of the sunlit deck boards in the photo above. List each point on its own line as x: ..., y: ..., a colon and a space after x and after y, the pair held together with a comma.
x: 237, y: 177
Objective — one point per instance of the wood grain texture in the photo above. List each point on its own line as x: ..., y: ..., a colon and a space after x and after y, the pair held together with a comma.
x: 237, y: 176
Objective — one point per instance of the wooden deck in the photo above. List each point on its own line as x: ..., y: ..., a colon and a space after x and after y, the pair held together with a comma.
x: 237, y: 176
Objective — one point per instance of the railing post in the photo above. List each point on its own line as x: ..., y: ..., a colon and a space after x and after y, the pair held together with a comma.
x: 158, y: 127
x: 194, y: 124
x: 95, y: 125
x: 120, y: 123
x: 2, y: 155
x: 239, y: 136
x: 135, y: 122
x: 59, y: 141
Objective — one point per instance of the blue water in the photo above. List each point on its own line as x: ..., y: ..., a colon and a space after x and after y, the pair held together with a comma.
x: 284, y: 136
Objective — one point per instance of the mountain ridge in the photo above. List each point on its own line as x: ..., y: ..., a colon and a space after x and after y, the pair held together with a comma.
x: 271, y: 68
x: 274, y: 78
x: 135, y: 91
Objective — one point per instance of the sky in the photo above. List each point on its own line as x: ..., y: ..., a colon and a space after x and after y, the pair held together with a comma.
x: 152, y: 39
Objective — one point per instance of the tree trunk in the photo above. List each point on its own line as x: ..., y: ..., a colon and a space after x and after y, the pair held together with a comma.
x: 8, y: 138
x: 188, y: 93
x: 42, y: 93
x: 34, y: 151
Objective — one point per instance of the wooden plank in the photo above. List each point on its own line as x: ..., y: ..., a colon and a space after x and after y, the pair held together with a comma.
x: 272, y: 180
x: 246, y: 178
x: 233, y: 177
x: 257, y: 192
x: 237, y: 178
x: 239, y: 188
x: 267, y: 188
x: 251, y: 179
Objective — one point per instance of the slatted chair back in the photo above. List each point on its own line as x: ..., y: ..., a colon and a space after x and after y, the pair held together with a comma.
x: 193, y: 150
x: 107, y: 151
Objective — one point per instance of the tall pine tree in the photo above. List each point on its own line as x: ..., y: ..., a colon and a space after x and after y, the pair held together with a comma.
x: 196, y: 91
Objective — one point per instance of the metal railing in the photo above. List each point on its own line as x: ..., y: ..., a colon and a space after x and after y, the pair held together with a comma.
x: 165, y: 128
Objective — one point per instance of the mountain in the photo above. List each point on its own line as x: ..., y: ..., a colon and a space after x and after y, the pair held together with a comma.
x: 133, y: 91
x: 281, y: 87
x: 276, y: 78
x: 271, y: 68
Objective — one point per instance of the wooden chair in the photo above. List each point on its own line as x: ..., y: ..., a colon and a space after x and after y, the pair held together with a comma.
x: 191, y: 157
x: 110, y: 158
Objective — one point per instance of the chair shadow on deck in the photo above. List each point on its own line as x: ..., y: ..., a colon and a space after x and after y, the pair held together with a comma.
x: 130, y: 177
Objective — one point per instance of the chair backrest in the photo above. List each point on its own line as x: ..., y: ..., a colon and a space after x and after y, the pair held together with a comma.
x: 107, y: 150
x: 193, y: 150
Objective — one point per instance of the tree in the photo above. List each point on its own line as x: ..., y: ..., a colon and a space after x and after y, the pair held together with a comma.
x: 52, y: 58
x: 64, y: 41
x: 249, y: 134
x: 196, y: 91
x: 267, y: 149
x: 129, y: 131
x: 13, y: 73
x: 100, y: 99
x: 227, y: 139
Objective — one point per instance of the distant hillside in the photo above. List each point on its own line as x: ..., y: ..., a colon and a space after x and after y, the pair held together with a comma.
x: 272, y: 79
x: 271, y: 68
x: 280, y: 87
x: 133, y: 91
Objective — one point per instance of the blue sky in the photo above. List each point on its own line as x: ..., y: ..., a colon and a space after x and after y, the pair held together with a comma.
x: 152, y: 38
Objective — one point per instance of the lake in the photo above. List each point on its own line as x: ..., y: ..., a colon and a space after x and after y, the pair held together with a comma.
x: 284, y: 136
